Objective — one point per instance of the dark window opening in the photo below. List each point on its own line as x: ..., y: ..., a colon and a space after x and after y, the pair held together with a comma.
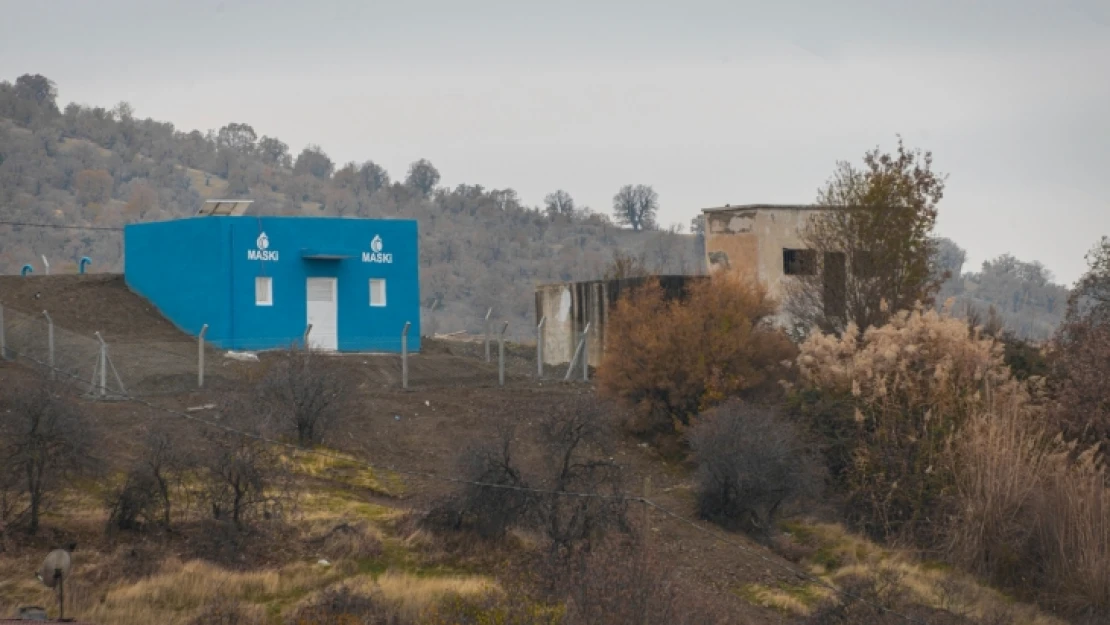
x: 799, y: 262
x: 835, y: 278
x: 864, y: 264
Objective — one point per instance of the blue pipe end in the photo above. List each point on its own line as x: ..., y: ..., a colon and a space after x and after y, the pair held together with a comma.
x: 26, y: 270
x: 85, y: 261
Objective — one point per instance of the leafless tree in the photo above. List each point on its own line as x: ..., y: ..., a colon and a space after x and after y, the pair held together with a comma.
x: 635, y: 206
x: 578, y: 436
x: 422, y: 177
x: 45, y: 439
x: 303, y: 394
x: 489, y: 511
x: 314, y: 162
x: 750, y: 463
x: 242, y: 474
x: 558, y: 203
x: 147, y: 493
x: 871, y: 252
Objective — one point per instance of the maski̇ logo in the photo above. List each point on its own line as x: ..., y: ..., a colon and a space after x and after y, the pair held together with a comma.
x: 375, y: 254
x: 263, y: 252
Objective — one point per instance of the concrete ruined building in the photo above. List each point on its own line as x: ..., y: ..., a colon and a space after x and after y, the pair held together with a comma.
x: 764, y: 241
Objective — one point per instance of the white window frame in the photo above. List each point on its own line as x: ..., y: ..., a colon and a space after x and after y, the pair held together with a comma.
x: 263, y: 291
x: 380, y: 304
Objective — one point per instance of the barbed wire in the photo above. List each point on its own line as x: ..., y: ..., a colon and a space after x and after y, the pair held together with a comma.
x: 510, y: 487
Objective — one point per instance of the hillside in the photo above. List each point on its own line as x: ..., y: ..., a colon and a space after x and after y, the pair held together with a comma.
x: 344, y: 524
x: 93, y: 170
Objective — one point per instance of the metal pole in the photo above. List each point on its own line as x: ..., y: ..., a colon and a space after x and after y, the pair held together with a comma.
x: 200, y: 356
x: 577, y: 351
x: 501, y: 355
x: 3, y: 340
x: 488, y: 313
x: 46, y: 264
x: 586, y: 354
x: 405, y: 356
x: 539, y: 347
x: 103, y: 365
x: 307, y: 329
x: 50, y: 344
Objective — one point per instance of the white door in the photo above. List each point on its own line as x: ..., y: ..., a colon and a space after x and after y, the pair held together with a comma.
x: 323, y: 314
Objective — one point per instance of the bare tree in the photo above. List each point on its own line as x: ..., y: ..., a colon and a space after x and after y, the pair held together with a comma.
x: 314, y: 162
x: 45, y: 439
x: 558, y: 203
x: 579, y: 436
x: 237, y: 137
x: 242, y: 474
x: 273, y: 151
x: 303, y: 394
x: 422, y: 177
x: 871, y: 252
x: 624, y: 266
x: 635, y: 206
x: 146, y: 495
x: 373, y: 176
x: 490, y: 511
x: 750, y: 463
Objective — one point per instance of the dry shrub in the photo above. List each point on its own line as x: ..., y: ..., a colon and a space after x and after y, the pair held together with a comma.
x: 342, y: 606
x: 577, y: 437
x: 750, y: 463
x: 883, y: 600
x: 348, y: 540
x: 225, y: 611
x: 489, y: 512
x: 903, y: 389
x: 671, y: 359
x: 303, y: 393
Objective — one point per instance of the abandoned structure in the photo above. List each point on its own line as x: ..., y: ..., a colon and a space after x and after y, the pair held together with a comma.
x: 761, y: 240
x: 567, y: 307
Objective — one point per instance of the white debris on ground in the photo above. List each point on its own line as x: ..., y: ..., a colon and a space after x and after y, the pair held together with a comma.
x: 242, y: 356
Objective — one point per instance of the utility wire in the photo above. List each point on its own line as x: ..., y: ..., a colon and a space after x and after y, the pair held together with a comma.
x: 560, y: 493
x: 58, y: 226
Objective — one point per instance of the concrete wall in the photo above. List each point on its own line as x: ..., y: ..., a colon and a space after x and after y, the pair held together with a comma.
x: 569, y: 306
x: 751, y: 240
x: 202, y: 270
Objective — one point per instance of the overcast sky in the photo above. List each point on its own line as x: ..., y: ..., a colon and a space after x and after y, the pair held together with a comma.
x: 710, y: 102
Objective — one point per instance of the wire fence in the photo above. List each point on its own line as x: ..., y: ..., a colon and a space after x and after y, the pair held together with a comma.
x: 148, y: 367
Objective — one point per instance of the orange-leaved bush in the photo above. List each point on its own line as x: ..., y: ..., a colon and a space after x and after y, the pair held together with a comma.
x: 904, y: 389
x: 672, y: 358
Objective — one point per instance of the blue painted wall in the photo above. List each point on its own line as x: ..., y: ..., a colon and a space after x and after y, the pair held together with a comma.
x: 210, y: 277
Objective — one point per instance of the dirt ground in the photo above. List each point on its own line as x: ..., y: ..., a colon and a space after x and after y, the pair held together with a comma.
x: 454, y: 399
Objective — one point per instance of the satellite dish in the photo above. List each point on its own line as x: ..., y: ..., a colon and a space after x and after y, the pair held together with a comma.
x: 55, y: 571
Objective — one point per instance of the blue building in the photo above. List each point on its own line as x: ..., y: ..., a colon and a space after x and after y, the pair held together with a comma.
x: 257, y: 282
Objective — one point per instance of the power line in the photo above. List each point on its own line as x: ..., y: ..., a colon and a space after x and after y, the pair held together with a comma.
x: 559, y: 493
x: 58, y: 226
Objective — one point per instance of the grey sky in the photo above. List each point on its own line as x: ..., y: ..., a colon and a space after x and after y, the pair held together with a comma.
x: 710, y: 102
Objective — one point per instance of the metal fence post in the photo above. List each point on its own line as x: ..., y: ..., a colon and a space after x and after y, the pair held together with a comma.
x: 46, y: 264
x: 539, y: 346
x: 103, y: 365
x: 200, y: 356
x: 488, y: 313
x: 307, y: 329
x: 501, y: 355
x: 3, y: 339
x: 405, y: 355
x: 50, y: 344
x: 586, y: 354
x: 577, y: 351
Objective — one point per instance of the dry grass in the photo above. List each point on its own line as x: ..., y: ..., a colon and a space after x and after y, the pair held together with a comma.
x: 345, y: 470
x: 839, y: 557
